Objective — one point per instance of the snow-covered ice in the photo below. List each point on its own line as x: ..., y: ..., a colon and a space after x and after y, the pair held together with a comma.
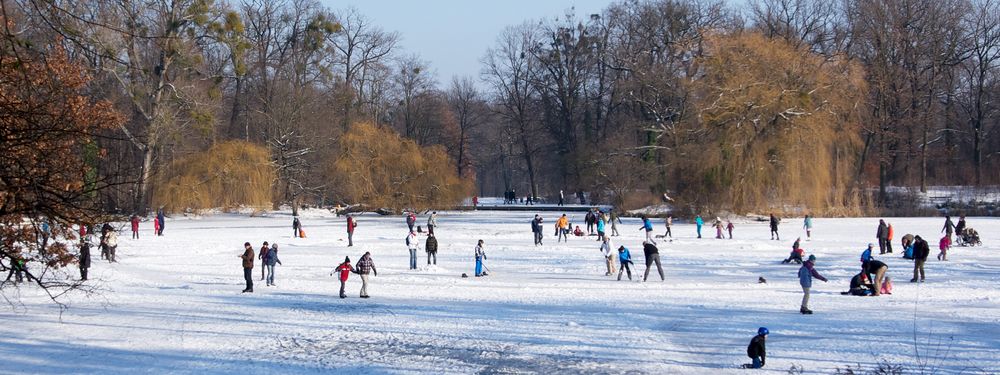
x: 173, y: 303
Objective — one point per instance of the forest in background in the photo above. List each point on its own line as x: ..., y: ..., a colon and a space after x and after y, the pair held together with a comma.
x: 818, y: 105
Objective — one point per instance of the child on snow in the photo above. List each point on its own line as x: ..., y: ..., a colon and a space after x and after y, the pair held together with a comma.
x: 718, y: 228
x: 757, y: 351
x: 578, y: 232
x: 345, y: 270
x: 806, y: 274
x: 730, y: 227
x: 795, y: 256
x: 480, y: 256
x: 625, y: 259
x: 944, y: 245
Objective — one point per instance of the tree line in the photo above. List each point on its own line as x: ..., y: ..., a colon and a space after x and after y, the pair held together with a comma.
x: 810, y: 103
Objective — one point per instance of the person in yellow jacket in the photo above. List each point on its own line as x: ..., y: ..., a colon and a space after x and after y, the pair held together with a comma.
x: 563, y: 225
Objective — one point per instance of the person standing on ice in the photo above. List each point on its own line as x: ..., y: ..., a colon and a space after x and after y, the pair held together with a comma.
x: 921, y: 250
x: 960, y: 227
x: 807, y: 224
x: 600, y: 227
x: 432, y: 222
x: 260, y: 255
x: 536, y: 229
x: 647, y: 226
x: 351, y: 224
x: 162, y: 220
x: 480, y: 256
x: 431, y: 247
x: 774, y: 227
x: 112, y: 243
x: 589, y: 220
x: 296, y: 226
x: 882, y: 234
x: 718, y: 228
x: 757, y: 351
x: 247, y: 266
x: 806, y: 274
x: 411, y: 244
x: 888, y: 241
x: 652, y: 256
x: 698, y: 222
x: 84, y: 260
x: 365, y: 266
x: 135, y: 227
x: 345, y: 270
x: 156, y: 227
x: 608, y: 256
x: 949, y: 227
x: 669, y: 223
x: 944, y: 245
x: 411, y: 220
x: 730, y: 227
x: 624, y: 259
x: 269, y: 261
x: 561, y: 197
x: 614, y: 220
x: 562, y: 228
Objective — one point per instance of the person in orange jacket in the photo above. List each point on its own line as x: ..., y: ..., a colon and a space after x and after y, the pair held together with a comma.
x: 562, y: 227
x: 345, y: 270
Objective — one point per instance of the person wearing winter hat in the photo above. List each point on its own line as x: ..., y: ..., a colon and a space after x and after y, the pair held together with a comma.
x: 757, y: 351
x: 806, y: 274
x: 247, y: 266
x: 345, y: 269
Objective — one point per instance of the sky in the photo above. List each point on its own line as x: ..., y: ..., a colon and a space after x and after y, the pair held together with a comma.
x: 453, y: 35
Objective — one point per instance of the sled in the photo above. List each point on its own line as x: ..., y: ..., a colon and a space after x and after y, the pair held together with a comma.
x: 302, y: 233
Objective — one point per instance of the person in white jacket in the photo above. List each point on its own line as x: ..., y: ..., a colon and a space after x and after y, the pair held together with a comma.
x: 608, y: 255
x: 411, y: 244
x: 112, y: 242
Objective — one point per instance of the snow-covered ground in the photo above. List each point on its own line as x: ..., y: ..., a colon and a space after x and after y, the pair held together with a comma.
x: 173, y: 303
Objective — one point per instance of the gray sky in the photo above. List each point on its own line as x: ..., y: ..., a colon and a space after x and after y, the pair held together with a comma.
x: 454, y: 34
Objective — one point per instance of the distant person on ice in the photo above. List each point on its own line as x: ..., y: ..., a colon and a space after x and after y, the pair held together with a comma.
x: 411, y: 244
x: 757, y: 350
x: 608, y: 256
x: 647, y: 226
x: 411, y: 220
x: 366, y: 266
x: 480, y: 256
x: 921, y: 250
x: 345, y: 270
x: 161, y: 219
x: 944, y: 245
x: 296, y: 226
x: 600, y: 227
x: 960, y: 227
x: 84, y: 260
x: 615, y: 220
x: 431, y: 247
x: 652, y: 256
x: 806, y: 274
x: 774, y: 227
x: 807, y: 224
x: 718, y: 227
x: 561, y: 197
x: 135, y: 227
x: 949, y: 227
x: 536, y: 229
x: 432, y: 222
x: 860, y: 286
x: 260, y: 255
x: 795, y: 256
x: 589, y: 219
x: 562, y: 228
x: 669, y: 222
x: 269, y: 261
x: 579, y: 232
x: 698, y: 222
x: 351, y: 224
x: 877, y: 268
x: 247, y: 266
x: 882, y: 234
x: 624, y: 258
x: 730, y: 227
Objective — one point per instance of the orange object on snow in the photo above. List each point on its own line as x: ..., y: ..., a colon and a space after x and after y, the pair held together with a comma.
x: 302, y: 233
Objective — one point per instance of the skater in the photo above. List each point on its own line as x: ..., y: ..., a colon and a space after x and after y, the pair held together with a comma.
x: 135, y: 227
x: 18, y: 269
x: 561, y: 197
x: 562, y: 228
x: 411, y: 220
x: 877, y: 268
x: 807, y: 224
x: 366, y: 266
x: 156, y: 227
x: 269, y: 261
x: 860, y: 286
x: 866, y: 255
x: 431, y: 247
x: 345, y: 270
x: 652, y: 256
x: 480, y: 256
x: 949, y: 227
x: 260, y: 255
x: 351, y: 224
x: 757, y: 351
x: 888, y: 240
x: 600, y: 226
x: 669, y: 223
x: 84, y: 257
x: 730, y: 227
x: 614, y: 220
x: 162, y: 220
x: 921, y: 250
x: 944, y: 245
x: 624, y: 258
x: 774, y: 227
x: 718, y: 228
x: 608, y: 255
x: 806, y: 274
x: 296, y: 225
x: 536, y: 229
x: 111, y: 242
x: 411, y: 244
x: 432, y: 222
x: 698, y: 222
x: 647, y: 225
x: 882, y: 234
x: 247, y: 266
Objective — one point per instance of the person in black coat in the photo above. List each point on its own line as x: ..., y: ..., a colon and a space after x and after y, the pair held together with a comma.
x: 84, y: 258
x: 878, y: 269
x: 921, y: 250
x: 757, y: 350
x: 652, y: 255
x: 296, y: 225
x: 536, y: 229
x: 431, y: 247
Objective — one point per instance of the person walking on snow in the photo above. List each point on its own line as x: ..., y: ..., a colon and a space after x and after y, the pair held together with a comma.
x: 351, y: 224
x: 757, y: 351
x: 411, y: 244
x: 431, y: 247
x: 882, y: 234
x: 260, y: 255
x: 162, y: 220
x: 536, y: 229
x: 608, y: 256
x: 944, y: 245
x: 296, y: 226
x: 949, y: 227
x: 345, y: 270
x: 247, y: 266
x: 698, y: 222
x: 135, y: 227
x: 432, y: 222
x: 718, y: 228
x: 112, y: 243
x: 614, y: 220
x: 921, y: 250
x: 652, y: 256
x: 730, y: 227
x: 269, y: 261
x: 364, y: 267
x: 806, y: 274
x: 600, y: 227
x: 411, y: 220
x: 480, y: 256
x: 561, y: 197
x: 156, y: 227
x: 647, y: 225
x: 807, y: 224
x: 624, y: 259
x: 562, y: 228
x: 669, y: 223
x: 774, y: 227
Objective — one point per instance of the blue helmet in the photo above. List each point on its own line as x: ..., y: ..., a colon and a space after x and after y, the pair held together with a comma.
x: 762, y: 331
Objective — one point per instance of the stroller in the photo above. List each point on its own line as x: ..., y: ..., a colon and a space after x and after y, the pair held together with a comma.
x: 969, y: 237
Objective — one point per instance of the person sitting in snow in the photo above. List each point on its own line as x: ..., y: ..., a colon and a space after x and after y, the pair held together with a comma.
x: 757, y: 351
x: 795, y: 256
x: 860, y: 286
x: 578, y: 232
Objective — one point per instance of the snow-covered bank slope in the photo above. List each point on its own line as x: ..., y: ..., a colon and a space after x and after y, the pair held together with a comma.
x: 173, y: 304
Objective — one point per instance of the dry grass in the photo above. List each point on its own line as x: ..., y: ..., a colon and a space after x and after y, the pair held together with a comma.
x: 228, y: 175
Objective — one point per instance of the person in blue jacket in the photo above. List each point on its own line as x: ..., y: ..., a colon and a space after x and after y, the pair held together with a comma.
x: 270, y: 259
x: 698, y: 222
x: 806, y: 274
x: 647, y: 225
x: 480, y: 256
x: 625, y: 258
x: 600, y: 227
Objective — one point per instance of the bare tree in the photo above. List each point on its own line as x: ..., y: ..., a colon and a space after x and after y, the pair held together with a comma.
x: 470, y: 111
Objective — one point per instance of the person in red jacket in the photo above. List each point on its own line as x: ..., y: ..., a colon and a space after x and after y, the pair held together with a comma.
x: 135, y: 227
x: 351, y: 224
x: 345, y: 270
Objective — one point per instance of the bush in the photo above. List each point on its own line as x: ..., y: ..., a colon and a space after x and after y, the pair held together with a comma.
x: 228, y: 175
x: 379, y: 168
